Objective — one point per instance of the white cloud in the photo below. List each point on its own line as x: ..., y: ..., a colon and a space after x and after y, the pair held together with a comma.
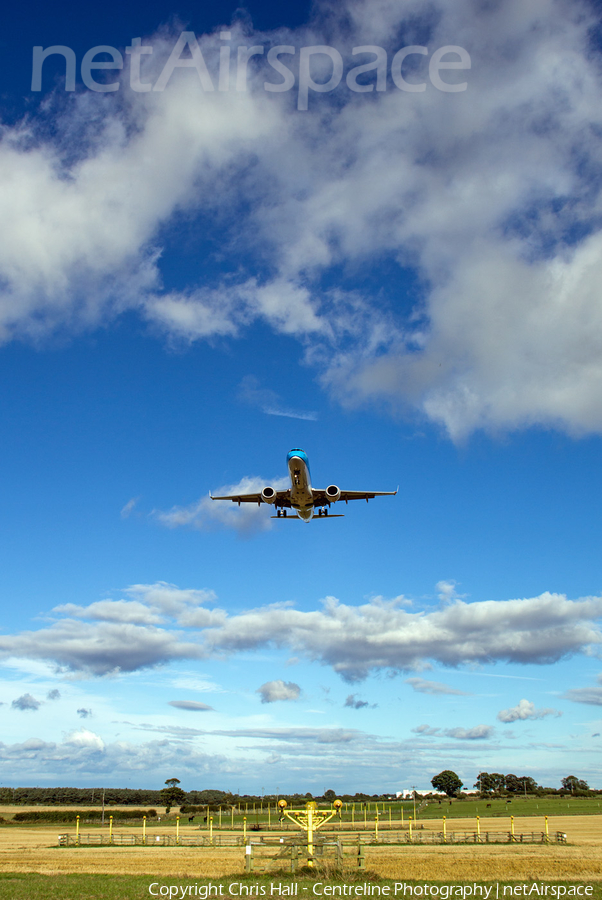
x: 353, y: 702
x: 590, y: 695
x: 525, y: 709
x: 207, y: 514
x: 272, y: 691
x: 128, y: 509
x: 484, y: 193
x: 353, y: 640
x: 26, y: 702
x: 432, y: 687
x: 191, y: 705
x: 268, y: 401
x: 426, y: 730
x: 477, y: 733
x: 85, y: 739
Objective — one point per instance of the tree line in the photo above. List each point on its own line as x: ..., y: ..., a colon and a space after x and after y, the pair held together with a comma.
x: 490, y: 783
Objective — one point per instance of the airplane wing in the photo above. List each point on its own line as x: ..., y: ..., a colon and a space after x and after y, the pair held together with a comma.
x: 320, y: 497
x: 282, y: 498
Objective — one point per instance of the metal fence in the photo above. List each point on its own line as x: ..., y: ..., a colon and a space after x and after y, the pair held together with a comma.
x: 284, y: 846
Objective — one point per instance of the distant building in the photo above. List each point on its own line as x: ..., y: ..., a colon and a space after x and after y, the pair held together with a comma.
x: 408, y: 793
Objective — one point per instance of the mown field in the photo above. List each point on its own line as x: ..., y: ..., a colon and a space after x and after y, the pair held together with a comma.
x: 34, y: 849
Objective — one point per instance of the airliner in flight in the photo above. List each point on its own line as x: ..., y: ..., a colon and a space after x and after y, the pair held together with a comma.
x: 301, y: 496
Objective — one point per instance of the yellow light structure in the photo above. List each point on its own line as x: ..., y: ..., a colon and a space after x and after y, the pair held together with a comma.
x: 210, y: 829
x: 77, y: 829
x: 144, y: 829
x: 110, y: 829
x: 177, y: 829
x: 547, y: 835
x: 478, y: 828
x: 444, y: 830
x: 309, y: 820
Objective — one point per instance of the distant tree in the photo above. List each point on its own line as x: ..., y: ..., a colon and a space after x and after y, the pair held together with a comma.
x: 490, y: 782
x: 572, y: 783
x: 520, y: 784
x: 448, y: 782
x: 330, y: 796
x: 172, y: 795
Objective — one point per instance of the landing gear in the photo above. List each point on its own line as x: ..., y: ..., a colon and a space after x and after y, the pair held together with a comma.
x: 281, y: 512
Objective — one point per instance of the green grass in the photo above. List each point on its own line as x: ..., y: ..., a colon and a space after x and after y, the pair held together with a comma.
x: 136, y: 887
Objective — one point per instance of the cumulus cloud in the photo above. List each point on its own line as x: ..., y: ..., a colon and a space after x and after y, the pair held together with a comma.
x: 432, y: 687
x: 478, y: 733
x: 353, y: 640
x: 192, y: 705
x: 86, y: 739
x: 353, y: 702
x: 272, y: 691
x: 84, y: 713
x: 525, y: 710
x: 207, y: 514
x: 26, y: 702
x: 54, y: 694
x: 426, y: 730
x: 491, y: 195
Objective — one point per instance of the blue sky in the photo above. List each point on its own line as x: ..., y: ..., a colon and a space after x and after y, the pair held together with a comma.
x: 403, y: 279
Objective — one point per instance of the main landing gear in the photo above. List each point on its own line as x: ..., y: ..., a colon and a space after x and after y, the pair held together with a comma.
x: 323, y: 511
x: 280, y: 512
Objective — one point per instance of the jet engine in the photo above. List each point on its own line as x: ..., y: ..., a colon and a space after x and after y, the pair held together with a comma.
x: 333, y: 493
x: 268, y: 495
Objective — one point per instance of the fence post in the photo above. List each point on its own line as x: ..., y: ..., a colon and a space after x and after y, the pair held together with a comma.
x: 294, y: 857
x: 249, y: 858
x: 339, y: 855
x: 361, y: 856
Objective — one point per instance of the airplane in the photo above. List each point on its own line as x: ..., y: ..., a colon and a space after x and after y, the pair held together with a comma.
x: 301, y: 496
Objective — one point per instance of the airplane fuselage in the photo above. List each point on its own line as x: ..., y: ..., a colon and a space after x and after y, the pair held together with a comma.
x: 302, y: 498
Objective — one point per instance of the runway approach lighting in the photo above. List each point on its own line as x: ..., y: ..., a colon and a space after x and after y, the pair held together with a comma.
x: 309, y: 820
x: 306, y: 501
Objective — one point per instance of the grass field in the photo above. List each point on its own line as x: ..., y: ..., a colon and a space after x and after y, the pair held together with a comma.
x: 123, y: 887
x: 359, y: 813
